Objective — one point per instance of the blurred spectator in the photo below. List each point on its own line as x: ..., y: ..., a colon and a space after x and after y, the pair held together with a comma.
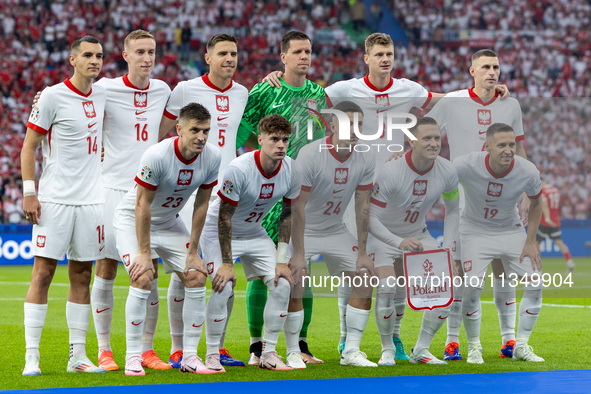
x: 358, y: 15
x: 376, y: 14
x: 186, y: 36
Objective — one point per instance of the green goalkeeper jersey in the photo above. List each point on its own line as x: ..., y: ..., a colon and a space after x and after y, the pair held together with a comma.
x: 301, y: 106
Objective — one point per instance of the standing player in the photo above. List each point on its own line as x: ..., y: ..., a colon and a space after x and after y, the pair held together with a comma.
x: 550, y: 223
x: 332, y: 172
x: 493, y: 181
x: 147, y: 219
x: 68, y: 215
x: 404, y: 192
x: 135, y: 104
x: 225, y: 100
x: 298, y: 100
x: 252, y: 184
x: 464, y: 116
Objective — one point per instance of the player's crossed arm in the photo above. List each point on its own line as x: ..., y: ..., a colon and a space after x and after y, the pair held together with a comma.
x: 226, y: 272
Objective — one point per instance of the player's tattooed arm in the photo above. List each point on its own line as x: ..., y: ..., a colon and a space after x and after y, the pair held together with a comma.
x: 284, y: 226
x: 362, y: 198
x: 225, y: 231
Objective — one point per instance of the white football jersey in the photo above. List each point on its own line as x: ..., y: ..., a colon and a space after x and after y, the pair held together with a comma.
x: 72, y: 123
x: 491, y: 200
x: 465, y: 119
x: 401, y: 95
x: 408, y: 195
x: 253, y: 192
x: 331, y: 181
x: 164, y: 169
x: 132, y: 122
x: 225, y: 106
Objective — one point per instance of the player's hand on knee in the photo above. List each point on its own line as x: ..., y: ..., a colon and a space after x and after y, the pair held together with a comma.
x: 194, y: 263
x: 395, y: 156
x: 282, y: 270
x: 298, y: 267
x: 273, y: 79
x: 224, y: 275
x: 364, y: 261
x: 411, y: 244
x: 533, y: 253
x: 141, y: 264
x: 503, y: 90
x: 455, y: 268
x: 32, y: 209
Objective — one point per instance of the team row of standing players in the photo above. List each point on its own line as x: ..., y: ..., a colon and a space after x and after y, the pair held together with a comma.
x: 70, y: 119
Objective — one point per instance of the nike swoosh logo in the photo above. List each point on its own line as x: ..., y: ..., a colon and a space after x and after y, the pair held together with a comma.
x: 273, y: 365
x: 154, y: 303
x: 530, y: 313
x: 401, y: 314
x: 490, y: 200
x: 337, y: 191
x: 258, y: 205
x: 470, y: 314
x: 191, y: 368
x: 139, y: 112
x: 442, y: 318
x: 220, y: 118
x: 382, y: 110
x: 509, y: 303
x: 181, y: 300
x: 102, y: 310
x: 282, y: 316
x: 137, y: 324
x: 92, y: 125
x: 179, y: 190
x: 101, y: 249
x: 387, y: 317
x: 198, y: 325
x: 277, y: 106
x: 481, y: 132
x: 218, y: 320
x: 415, y: 202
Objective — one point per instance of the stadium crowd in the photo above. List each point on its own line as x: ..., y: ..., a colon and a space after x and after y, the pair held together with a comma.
x: 544, y: 51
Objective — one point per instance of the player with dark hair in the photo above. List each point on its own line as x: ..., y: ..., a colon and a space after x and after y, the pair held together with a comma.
x: 147, y: 219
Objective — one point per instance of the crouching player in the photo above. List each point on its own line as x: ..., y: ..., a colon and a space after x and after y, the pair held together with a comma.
x: 491, y: 228
x: 404, y: 192
x: 331, y: 173
x: 169, y: 172
x: 251, y: 185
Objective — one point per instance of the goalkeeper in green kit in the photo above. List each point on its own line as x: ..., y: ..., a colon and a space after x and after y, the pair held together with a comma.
x: 299, y: 100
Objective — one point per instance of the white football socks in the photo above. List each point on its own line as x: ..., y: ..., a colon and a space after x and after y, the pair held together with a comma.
x: 472, y: 313
x: 102, y: 302
x: 135, y: 315
x: 216, y: 317
x: 356, y: 322
x: 384, y: 311
x: 193, y: 318
x: 504, y: 297
x: 229, y: 307
x: 77, y: 316
x: 400, y: 305
x: 34, y: 320
x: 293, y: 325
x: 344, y: 293
x: 529, y: 310
x: 152, y: 306
x: 454, y: 320
x: 175, y: 297
x: 275, y: 311
x: 432, y: 322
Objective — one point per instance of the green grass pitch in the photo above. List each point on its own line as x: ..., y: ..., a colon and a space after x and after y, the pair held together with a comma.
x: 561, y: 336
